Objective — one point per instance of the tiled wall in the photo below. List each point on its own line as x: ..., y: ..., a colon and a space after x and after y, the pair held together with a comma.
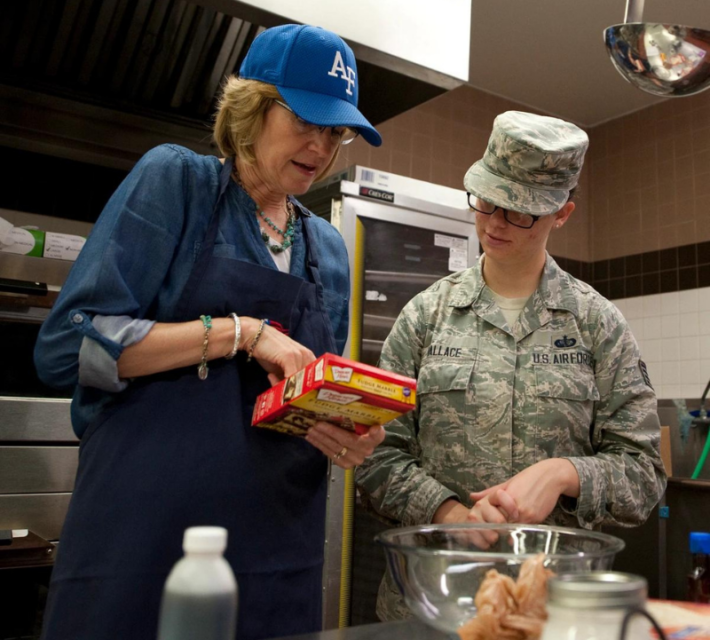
x: 664, y: 271
x: 645, y: 186
x: 673, y: 332
x: 650, y: 179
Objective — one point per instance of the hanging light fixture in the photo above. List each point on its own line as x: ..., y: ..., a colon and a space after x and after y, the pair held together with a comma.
x: 667, y: 60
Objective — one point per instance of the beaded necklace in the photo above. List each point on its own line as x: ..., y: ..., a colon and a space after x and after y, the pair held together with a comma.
x: 286, y: 234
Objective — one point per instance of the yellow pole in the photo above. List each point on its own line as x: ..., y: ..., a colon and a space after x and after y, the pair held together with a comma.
x: 349, y: 485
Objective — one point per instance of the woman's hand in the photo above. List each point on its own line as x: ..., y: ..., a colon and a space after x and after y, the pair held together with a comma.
x: 453, y: 512
x: 344, y: 448
x: 535, y: 490
x: 279, y: 355
x: 497, y: 507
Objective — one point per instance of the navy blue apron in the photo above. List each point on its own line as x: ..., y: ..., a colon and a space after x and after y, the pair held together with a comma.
x: 177, y: 452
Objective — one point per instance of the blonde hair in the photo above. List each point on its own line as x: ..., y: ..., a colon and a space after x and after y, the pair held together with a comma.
x: 240, y: 119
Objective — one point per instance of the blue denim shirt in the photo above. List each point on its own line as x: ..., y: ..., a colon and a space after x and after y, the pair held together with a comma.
x: 137, y: 260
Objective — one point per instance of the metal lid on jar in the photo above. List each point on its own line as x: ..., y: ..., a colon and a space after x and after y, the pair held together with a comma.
x: 597, y: 590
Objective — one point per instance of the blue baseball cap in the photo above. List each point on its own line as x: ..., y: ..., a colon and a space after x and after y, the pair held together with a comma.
x: 315, y: 73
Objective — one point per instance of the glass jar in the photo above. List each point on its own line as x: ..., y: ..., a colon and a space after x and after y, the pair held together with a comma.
x: 592, y: 606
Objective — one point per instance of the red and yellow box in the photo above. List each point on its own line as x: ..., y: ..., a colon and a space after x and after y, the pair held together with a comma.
x: 350, y: 394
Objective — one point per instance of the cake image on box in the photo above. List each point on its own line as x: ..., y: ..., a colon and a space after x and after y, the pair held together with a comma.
x: 352, y: 395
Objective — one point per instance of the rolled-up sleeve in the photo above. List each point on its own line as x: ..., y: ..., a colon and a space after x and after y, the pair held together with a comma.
x: 625, y: 479
x: 97, y: 366
x: 116, y: 277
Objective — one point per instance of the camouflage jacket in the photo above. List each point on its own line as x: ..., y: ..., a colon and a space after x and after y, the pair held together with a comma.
x: 565, y: 381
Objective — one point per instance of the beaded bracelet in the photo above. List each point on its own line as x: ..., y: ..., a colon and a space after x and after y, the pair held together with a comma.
x: 202, y: 368
x: 256, y: 339
x: 237, y: 336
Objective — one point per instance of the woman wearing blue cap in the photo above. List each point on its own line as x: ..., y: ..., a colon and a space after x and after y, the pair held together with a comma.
x: 204, y: 281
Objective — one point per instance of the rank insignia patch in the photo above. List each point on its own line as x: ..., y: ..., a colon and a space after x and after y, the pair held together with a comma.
x: 644, y: 373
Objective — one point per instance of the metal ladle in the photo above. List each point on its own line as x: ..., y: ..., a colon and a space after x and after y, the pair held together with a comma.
x: 667, y: 60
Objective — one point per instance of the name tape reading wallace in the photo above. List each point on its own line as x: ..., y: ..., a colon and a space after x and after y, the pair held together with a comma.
x: 349, y: 394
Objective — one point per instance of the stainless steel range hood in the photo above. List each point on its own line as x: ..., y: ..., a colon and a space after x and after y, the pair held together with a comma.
x: 102, y: 81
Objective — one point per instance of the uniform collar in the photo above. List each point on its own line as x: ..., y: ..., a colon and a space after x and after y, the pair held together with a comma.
x: 555, y: 288
x: 470, y: 286
x: 553, y: 292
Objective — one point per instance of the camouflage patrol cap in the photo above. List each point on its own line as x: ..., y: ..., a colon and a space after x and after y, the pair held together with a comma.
x: 530, y: 165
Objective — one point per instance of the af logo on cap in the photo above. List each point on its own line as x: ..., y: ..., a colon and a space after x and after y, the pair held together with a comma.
x: 346, y: 73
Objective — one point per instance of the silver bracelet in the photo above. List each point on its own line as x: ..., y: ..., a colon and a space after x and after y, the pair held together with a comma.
x: 237, y: 336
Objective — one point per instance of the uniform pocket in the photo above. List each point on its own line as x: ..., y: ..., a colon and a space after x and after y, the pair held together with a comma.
x: 566, y: 396
x: 445, y: 397
x: 565, y: 383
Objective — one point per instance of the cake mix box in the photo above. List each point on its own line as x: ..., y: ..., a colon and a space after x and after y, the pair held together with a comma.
x: 350, y: 394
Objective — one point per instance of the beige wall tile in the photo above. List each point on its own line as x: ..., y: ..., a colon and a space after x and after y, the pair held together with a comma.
x: 664, y: 173
x: 701, y: 185
x: 645, y: 186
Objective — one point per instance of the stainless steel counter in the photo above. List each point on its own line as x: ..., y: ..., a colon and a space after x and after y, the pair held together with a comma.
x: 407, y: 630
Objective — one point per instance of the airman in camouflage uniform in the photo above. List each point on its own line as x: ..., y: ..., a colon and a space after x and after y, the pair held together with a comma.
x: 564, y: 381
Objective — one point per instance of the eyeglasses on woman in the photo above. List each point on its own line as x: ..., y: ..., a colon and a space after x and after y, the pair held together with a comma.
x: 339, y: 135
x: 517, y: 219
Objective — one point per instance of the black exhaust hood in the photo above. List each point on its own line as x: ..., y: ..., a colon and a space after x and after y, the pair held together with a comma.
x: 104, y: 80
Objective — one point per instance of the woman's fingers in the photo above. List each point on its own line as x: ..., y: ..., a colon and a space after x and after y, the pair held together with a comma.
x: 343, y: 447
x: 482, y: 538
x: 489, y: 513
x: 376, y: 435
x: 503, y: 501
x: 279, y: 354
x: 479, y: 495
x: 338, y: 447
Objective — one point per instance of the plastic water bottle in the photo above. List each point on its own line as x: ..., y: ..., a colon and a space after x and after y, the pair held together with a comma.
x: 699, y: 577
x: 200, y: 594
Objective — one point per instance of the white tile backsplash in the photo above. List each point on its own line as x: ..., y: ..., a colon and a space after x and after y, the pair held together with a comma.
x: 689, y: 348
x: 636, y: 325
x: 689, y: 325
x: 705, y: 370
x: 670, y: 326
x: 652, y: 351
x: 669, y: 304
x: 670, y: 349
x: 634, y: 308
x: 690, y: 372
x: 673, y: 333
x: 670, y: 372
x: 651, y: 327
x: 688, y: 300
x: 651, y: 305
x: 670, y: 391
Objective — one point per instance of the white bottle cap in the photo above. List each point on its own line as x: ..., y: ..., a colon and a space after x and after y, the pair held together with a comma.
x: 205, y: 540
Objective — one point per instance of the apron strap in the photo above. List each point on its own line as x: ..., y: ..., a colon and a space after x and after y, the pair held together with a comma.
x: 312, y: 268
x: 203, y: 258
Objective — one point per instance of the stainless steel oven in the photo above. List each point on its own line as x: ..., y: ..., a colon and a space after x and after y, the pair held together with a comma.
x: 38, y: 449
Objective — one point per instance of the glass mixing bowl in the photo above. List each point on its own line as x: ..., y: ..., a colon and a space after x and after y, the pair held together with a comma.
x: 438, y: 568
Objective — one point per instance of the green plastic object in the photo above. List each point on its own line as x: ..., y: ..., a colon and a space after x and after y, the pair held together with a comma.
x: 703, y: 457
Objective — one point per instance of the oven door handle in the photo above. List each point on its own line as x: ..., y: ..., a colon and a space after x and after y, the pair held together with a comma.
x: 23, y: 286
